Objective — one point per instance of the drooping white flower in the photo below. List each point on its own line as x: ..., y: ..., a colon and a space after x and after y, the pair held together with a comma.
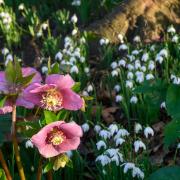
x: 178, y: 146
x: 122, y: 62
x: 82, y: 59
x: 120, y: 37
x: 163, y: 53
x: 123, y: 47
x: 119, y: 141
x: 133, y: 100
x: 85, y: 93
x: 130, y: 67
x: 151, y: 65
x: 114, y: 73
x: 21, y: 7
x: 89, y: 88
x: 163, y: 105
x: 104, y: 159
x: 130, y: 75
x: 5, y: 51
x: 9, y: 57
x: 137, y: 64
x: 101, y: 144
x: 105, y: 134
x: 149, y: 76
x: 129, y: 84
x: 139, y: 76
x: 114, y: 65
x: 148, y: 131
x: 74, y: 32
x: 131, y: 58
x: 137, y: 39
x: 103, y: 41
x: 135, y: 52
x: 74, y: 19
x: 137, y: 128
x: 159, y: 58
x: 29, y: 144
x: 97, y: 128
x: 121, y: 133
x: 44, y: 26
x: 85, y: 127
x: 117, y: 88
x: 119, y: 98
x: 74, y: 69
x: 143, y: 68
x: 59, y: 56
x: 44, y: 69
x: 145, y: 57
x: 128, y: 166
x: 86, y: 70
x: 171, y: 29
x: 113, y: 128
x: 139, y: 144
x: 137, y: 173
x: 175, y: 39
x: 76, y: 3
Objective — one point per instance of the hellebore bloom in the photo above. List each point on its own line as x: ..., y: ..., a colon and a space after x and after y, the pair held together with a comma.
x: 55, y: 94
x: 11, y: 89
x: 57, y: 137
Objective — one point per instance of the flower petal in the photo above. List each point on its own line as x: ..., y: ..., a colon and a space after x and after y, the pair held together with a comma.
x: 3, y: 83
x: 71, y: 100
x: 24, y: 103
x: 61, y: 81
x: 7, y: 108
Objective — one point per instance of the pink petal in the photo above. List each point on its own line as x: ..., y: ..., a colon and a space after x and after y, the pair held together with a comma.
x: 24, y: 103
x: 2, y: 76
x: 28, y: 71
x: 71, y: 129
x: 42, y: 88
x: 3, y: 83
x: 7, y: 108
x: 61, y: 81
x: 71, y: 100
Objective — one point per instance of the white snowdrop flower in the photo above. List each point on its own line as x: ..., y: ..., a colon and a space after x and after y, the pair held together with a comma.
x: 121, y: 133
x: 139, y: 76
x: 21, y: 7
x: 89, y: 88
x: 39, y: 34
x: 44, y: 69
x: 113, y: 128
x: 63, y: 62
x: 139, y: 144
x: 97, y: 128
x: 86, y: 70
x: 143, y: 68
x: 59, y: 56
x: 44, y: 26
x: 114, y: 65
x: 130, y: 67
x: 122, y: 62
x: 1, y: 2
x: 105, y: 134
x: 72, y: 60
x: 149, y: 76
x: 114, y: 73
x: 151, y: 65
x: 117, y: 88
x: 163, y: 105
x: 171, y: 29
x: 175, y: 39
x: 82, y: 40
x: 137, y: 64
x: 131, y: 57
x: 172, y: 76
x: 119, y: 141
x: 120, y: 37
x: 85, y: 93
x: 32, y: 168
x: 106, y: 41
x: 133, y: 100
x: 148, y: 131
x: 111, y: 152
x: 136, y: 172
x: 178, y: 146
x: 76, y: 3
x: 101, y: 144
x: 137, y: 128
x: 159, y: 58
x: 130, y: 75
x: 9, y: 57
x: 135, y: 52
x: 164, y: 53
x: 74, y: 19
x: 74, y: 69
x: 152, y: 48
x: 123, y: 47
x: 69, y: 154
x: 128, y: 166
x: 74, y: 32
x: 137, y: 39
x: 82, y: 59
x: 129, y: 84
x: 104, y: 159
x: 28, y: 144
x: 85, y: 127
x: 5, y: 51
x: 176, y: 81
x: 102, y: 42
x: 145, y: 57
x: 115, y: 159
x: 119, y: 98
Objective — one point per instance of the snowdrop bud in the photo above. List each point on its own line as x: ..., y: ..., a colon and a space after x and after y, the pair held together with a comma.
x: 86, y: 70
x: 74, y: 19
x: 128, y: 166
x: 82, y: 59
x: 137, y: 128
x: 59, y: 56
x: 44, y: 69
x: 101, y: 144
x: 119, y: 141
x: 32, y: 168
x: 120, y: 37
x: 97, y: 128
x: 119, y: 98
x: 130, y: 67
x: 21, y: 7
x: 139, y: 144
x: 102, y: 42
x: 151, y: 65
x: 123, y: 47
x: 149, y: 76
x: 129, y: 84
x: 5, y: 51
x: 76, y: 3
x: 145, y: 57
x: 117, y: 88
x: 163, y: 105
x: 122, y: 62
x: 44, y: 26
x: 164, y: 53
x: 137, y: 39
x: 85, y: 93
x: 135, y: 52
x: 148, y: 131
x: 113, y: 128
x: 175, y: 39
x: 90, y: 88
x: 159, y: 58
x: 114, y: 65
x: 28, y: 144
x: 171, y: 29
x: 133, y: 100
x: 106, y: 41
x: 130, y: 75
x: 85, y: 127
x: 74, y: 69
x: 114, y: 73
x: 74, y: 32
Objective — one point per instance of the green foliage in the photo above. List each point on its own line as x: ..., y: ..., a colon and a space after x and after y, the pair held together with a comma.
x: 2, y: 175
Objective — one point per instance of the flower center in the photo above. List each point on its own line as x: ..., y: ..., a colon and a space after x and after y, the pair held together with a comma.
x: 55, y: 137
x: 51, y: 99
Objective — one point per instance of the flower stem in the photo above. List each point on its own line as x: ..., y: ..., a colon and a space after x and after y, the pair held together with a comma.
x: 5, y: 167
x: 15, y: 144
x: 39, y: 172
x: 49, y: 175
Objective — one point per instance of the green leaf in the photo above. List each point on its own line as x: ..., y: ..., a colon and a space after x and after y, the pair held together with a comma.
x: 173, y: 101
x: 55, y: 69
x: 171, y: 132
x: 17, y: 69
x: 166, y: 173
x: 10, y: 74
x: 48, y: 166
x: 62, y: 115
x: 24, y: 81
x: 2, y: 175
x: 76, y: 87
x: 49, y: 116
x: 2, y: 101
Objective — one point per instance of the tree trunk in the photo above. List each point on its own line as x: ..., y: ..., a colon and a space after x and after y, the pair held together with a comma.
x: 147, y: 18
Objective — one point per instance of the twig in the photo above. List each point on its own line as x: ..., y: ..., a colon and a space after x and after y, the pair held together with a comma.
x: 39, y: 173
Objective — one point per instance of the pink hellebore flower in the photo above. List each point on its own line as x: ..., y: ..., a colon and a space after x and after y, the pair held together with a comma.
x: 55, y: 94
x: 7, y: 88
x: 57, y: 137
